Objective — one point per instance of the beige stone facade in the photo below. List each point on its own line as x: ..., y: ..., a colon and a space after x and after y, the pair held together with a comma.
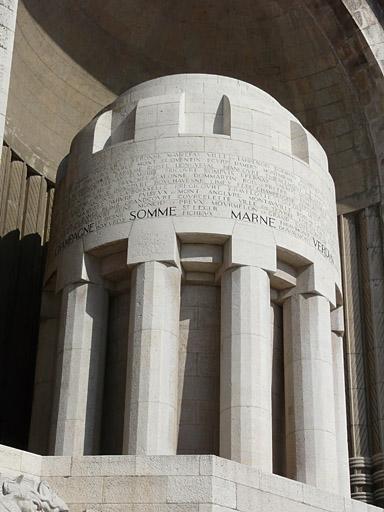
x: 195, y: 220
x: 186, y: 483
x: 194, y: 196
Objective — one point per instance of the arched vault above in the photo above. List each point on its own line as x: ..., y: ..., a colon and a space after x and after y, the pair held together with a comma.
x: 319, y: 58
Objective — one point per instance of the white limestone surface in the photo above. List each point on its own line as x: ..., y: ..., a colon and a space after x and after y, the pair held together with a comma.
x: 199, y: 157
x: 187, y: 483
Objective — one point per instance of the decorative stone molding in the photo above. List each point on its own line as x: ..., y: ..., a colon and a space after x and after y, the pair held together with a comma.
x: 25, y: 494
x: 378, y: 478
x: 361, y: 479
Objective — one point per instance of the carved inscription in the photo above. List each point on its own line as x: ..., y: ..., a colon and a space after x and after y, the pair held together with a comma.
x: 198, y: 185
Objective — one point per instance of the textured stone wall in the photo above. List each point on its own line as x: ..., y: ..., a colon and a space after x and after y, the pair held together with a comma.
x: 115, y: 374
x: 200, y: 369
x: 170, y: 484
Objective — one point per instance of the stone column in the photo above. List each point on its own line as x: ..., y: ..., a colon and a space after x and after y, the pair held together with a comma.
x: 44, y: 386
x: 357, y: 373
x: 80, y: 370
x: 309, y: 389
x: 246, y: 368
x: 8, y: 10
x: 151, y: 419
x: 340, y: 402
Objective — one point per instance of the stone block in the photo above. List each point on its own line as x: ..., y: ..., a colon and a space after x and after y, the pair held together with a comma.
x: 31, y: 463
x: 280, y: 486
x: 225, y: 145
x: 230, y: 470
x: 56, y: 466
x: 78, y: 489
x: 181, y: 143
x: 337, y: 320
x: 249, y: 499
x: 327, y: 501
x: 251, y: 247
x: 10, y: 458
x: 147, y: 244
x: 103, y: 466
x: 167, y: 465
x: 201, y: 489
x: 181, y: 489
x: 135, y: 489
x: 201, y: 257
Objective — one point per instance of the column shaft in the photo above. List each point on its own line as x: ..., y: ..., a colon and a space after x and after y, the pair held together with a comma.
x: 150, y: 426
x: 340, y: 415
x: 44, y: 386
x: 246, y: 368
x: 80, y: 370
x: 310, y: 408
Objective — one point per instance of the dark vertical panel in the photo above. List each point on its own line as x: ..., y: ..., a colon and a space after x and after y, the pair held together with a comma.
x: 22, y: 227
x: 115, y: 375
x: 359, y: 434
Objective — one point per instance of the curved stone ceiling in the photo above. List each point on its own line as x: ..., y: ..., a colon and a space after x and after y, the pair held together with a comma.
x: 72, y: 58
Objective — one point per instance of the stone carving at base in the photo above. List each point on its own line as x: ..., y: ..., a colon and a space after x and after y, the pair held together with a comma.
x: 23, y: 494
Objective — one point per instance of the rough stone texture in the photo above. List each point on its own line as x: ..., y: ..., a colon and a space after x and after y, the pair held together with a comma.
x: 76, y: 417
x: 199, y: 383
x: 246, y: 368
x: 171, y: 484
x: 115, y: 374
x: 310, y: 410
x: 151, y: 419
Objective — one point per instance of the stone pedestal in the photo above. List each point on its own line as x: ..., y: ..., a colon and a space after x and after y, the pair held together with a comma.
x: 150, y: 425
x: 80, y: 370
x: 246, y: 368
x: 183, y: 483
x: 309, y: 389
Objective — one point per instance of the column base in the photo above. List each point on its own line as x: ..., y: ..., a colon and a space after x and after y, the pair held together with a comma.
x: 361, y: 479
x: 182, y: 483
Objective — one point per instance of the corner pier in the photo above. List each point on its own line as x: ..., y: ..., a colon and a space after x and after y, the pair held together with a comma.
x: 190, y: 210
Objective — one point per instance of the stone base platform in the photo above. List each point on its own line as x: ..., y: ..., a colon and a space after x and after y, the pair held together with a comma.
x: 183, y: 483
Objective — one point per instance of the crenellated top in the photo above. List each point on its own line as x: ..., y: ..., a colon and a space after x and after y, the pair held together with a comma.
x: 208, y: 106
x: 204, y: 158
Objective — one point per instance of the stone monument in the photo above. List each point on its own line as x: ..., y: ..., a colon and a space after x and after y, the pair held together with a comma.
x: 193, y: 308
